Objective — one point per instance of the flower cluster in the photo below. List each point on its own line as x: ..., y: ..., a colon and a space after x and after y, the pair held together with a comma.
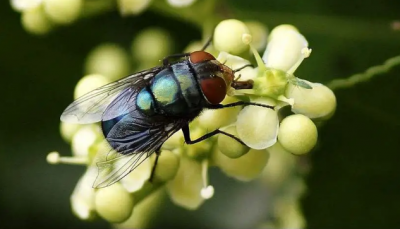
x: 182, y: 169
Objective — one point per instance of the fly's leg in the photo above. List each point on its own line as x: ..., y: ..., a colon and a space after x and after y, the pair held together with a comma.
x: 239, y: 103
x: 188, y: 140
x: 158, y: 152
x: 243, y: 67
x: 167, y: 60
x: 207, y: 43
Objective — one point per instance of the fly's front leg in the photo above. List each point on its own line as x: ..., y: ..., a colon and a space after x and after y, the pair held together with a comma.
x: 188, y: 140
x: 239, y: 103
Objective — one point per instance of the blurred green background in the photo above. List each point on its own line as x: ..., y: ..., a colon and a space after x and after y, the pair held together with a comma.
x: 355, y: 174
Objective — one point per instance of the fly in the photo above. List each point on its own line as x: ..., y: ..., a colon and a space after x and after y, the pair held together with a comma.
x: 140, y: 112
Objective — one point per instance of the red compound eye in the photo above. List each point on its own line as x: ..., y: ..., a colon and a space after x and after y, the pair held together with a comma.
x: 214, y: 89
x: 200, y: 56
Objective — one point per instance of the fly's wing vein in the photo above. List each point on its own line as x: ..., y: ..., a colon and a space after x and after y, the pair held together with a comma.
x: 90, y: 107
x: 130, y: 144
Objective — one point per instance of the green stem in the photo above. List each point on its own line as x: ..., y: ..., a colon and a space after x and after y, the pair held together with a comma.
x: 368, y: 74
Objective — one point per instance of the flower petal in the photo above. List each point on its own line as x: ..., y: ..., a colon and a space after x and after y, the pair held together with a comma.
x: 257, y: 126
x: 285, y: 50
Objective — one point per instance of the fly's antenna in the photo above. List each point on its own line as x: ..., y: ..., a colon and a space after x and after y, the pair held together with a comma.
x: 237, y: 78
x: 248, y: 84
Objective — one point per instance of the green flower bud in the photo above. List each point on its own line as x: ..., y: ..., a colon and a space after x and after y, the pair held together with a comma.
x: 68, y: 130
x: 298, y: 134
x: 229, y: 146
x: 114, y: 203
x: 89, y: 83
x: 83, y: 139
x: 228, y: 36
x: 214, y: 119
x: 185, y: 189
x: 128, y: 7
x: 259, y: 34
x: 152, y: 45
x: 35, y: 21
x: 258, y: 126
x: 167, y: 166
x: 109, y: 60
x: 244, y: 168
x: 63, y: 11
x: 318, y: 102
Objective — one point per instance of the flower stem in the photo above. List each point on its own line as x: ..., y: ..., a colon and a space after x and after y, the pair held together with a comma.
x: 368, y: 74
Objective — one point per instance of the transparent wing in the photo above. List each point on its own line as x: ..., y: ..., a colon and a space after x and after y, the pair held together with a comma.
x: 131, y: 141
x: 90, y: 107
x: 115, y: 166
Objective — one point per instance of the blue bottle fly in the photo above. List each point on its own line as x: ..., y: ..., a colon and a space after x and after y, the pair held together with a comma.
x: 140, y: 112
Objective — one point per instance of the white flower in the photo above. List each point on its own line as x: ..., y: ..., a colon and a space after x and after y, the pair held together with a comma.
x: 258, y: 126
x: 285, y: 50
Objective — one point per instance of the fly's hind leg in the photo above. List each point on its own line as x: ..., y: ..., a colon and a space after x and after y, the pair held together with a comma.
x: 188, y: 140
x: 158, y: 152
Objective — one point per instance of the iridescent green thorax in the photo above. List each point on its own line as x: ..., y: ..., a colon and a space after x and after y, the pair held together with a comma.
x: 187, y: 81
x: 173, y: 91
x: 185, y: 88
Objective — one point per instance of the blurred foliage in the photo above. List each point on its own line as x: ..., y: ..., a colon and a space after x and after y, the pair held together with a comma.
x: 354, y: 176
